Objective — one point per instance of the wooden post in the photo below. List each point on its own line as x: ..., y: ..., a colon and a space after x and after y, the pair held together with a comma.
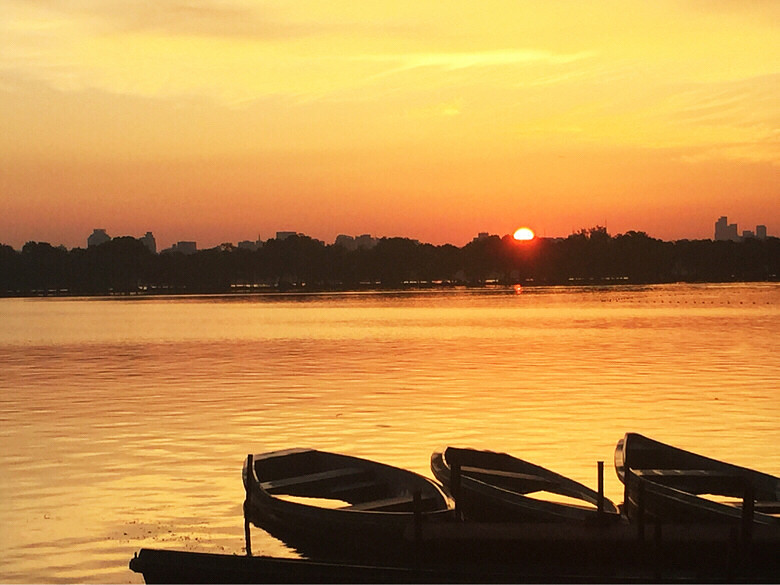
x: 455, y: 480
x: 600, y: 500
x: 250, y: 471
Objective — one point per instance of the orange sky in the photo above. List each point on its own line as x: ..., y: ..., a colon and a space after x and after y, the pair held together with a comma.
x: 227, y: 120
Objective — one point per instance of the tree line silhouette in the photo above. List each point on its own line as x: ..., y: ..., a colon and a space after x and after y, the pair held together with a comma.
x: 590, y: 256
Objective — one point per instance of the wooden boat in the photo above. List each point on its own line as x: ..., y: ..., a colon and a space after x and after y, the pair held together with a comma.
x: 498, y: 487
x: 331, y: 506
x: 667, y: 483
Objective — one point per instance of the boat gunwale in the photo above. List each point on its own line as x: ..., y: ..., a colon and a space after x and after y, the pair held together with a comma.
x: 631, y: 476
x: 565, y: 487
x: 302, y: 509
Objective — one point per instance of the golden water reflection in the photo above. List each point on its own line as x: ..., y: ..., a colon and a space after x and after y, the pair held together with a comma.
x: 124, y: 423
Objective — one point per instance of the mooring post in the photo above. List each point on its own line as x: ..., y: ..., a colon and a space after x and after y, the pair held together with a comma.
x: 250, y: 470
x: 455, y: 481
x: 600, y: 500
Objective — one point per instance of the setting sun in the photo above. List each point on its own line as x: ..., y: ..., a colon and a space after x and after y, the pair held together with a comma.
x: 524, y: 233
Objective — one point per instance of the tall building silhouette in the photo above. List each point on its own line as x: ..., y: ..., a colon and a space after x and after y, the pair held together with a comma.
x: 761, y: 232
x: 725, y: 231
x: 149, y: 241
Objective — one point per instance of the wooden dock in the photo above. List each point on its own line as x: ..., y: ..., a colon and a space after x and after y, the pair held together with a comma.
x: 505, y: 553
x: 612, y: 552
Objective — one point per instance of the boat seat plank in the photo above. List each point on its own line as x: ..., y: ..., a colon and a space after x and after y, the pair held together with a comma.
x: 683, y: 473
x: 772, y: 508
x: 767, y: 507
x: 696, y: 481
x: 312, y: 478
x: 405, y: 502
x: 500, y: 473
x: 521, y: 483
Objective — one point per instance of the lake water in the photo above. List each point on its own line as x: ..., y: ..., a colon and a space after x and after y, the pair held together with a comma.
x: 124, y: 422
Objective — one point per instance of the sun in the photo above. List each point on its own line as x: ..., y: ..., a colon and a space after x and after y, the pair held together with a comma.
x: 524, y: 233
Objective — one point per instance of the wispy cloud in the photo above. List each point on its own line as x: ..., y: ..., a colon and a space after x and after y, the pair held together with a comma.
x: 752, y: 100
x: 754, y: 152
x: 464, y: 60
x: 740, y: 119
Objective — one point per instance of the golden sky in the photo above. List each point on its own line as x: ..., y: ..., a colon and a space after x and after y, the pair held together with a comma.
x: 227, y: 120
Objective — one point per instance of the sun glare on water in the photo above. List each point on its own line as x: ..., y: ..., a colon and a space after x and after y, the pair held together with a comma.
x: 524, y: 234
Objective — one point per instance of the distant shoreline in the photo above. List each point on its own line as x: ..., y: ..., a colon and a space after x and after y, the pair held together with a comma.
x: 126, y: 267
x: 261, y: 291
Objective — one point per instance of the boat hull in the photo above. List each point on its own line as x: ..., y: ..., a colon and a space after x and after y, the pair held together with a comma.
x: 375, y: 504
x: 496, y: 487
x: 664, y: 483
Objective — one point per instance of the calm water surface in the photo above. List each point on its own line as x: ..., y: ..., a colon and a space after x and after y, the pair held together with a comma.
x: 124, y: 423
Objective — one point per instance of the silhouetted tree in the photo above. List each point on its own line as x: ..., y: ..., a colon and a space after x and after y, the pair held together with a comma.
x: 43, y: 267
x: 120, y: 265
x: 395, y: 260
x: 482, y: 259
x: 10, y: 267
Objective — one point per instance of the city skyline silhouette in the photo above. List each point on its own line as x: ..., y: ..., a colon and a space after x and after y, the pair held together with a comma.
x: 722, y: 231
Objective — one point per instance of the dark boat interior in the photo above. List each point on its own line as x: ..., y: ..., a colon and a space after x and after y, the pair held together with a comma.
x: 332, y: 480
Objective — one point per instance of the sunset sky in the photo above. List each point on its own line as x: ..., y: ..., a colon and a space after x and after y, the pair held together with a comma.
x: 221, y: 121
